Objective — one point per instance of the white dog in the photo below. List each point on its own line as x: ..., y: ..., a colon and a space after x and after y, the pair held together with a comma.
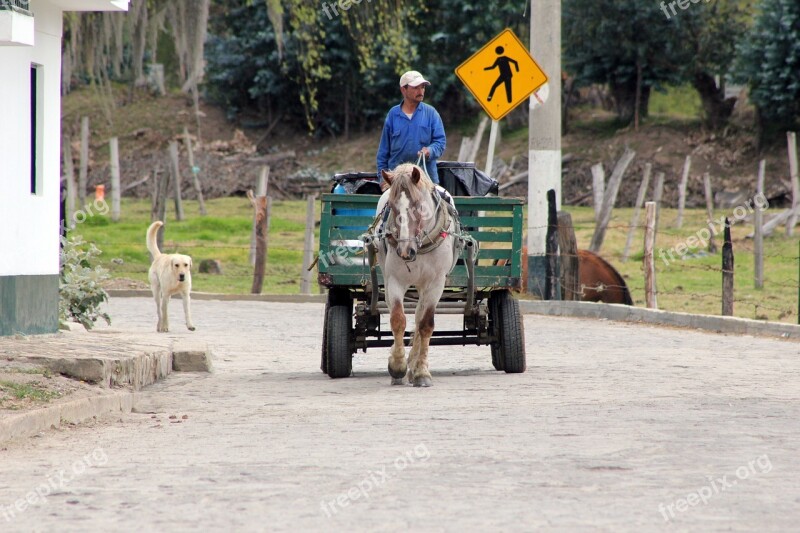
x: 169, y: 274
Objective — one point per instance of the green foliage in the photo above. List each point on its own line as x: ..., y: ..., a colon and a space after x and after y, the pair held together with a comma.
x: 331, y: 71
x: 769, y: 60
x: 607, y: 42
x: 80, y: 290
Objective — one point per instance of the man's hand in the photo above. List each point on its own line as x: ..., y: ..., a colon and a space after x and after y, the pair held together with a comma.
x: 425, y: 151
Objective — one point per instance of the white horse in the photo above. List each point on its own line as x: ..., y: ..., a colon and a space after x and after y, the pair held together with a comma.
x: 416, y: 247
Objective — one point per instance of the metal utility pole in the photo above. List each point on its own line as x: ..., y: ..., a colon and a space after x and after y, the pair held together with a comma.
x: 544, y: 136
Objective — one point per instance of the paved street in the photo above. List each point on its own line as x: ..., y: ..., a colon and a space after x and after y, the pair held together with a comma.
x: 613, y: 427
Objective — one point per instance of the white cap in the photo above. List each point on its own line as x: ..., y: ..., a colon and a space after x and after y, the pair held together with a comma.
x: 412, y: 78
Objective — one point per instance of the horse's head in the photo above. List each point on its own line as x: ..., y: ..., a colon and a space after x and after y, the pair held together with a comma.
x: 411, y: 208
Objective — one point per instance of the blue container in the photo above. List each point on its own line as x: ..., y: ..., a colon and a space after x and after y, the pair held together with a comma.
x: 347, y: 212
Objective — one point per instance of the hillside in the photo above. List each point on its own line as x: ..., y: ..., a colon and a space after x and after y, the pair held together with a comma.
x: 230, y: 156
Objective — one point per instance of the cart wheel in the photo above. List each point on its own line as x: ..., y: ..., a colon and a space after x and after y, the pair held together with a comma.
x: 339, y: 340
x: 335, y: 297
x: 494, y: 325
x: 511, y: 334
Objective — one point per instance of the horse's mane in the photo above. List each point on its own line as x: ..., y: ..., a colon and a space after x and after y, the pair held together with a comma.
x: 401, y: 181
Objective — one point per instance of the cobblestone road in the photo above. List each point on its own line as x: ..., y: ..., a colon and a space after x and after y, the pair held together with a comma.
x: 614, y: 427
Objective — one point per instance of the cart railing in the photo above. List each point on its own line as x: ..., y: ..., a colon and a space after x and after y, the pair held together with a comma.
x: 496, y: 223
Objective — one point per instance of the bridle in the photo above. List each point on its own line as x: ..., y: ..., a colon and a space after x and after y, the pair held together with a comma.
x: 420, y: 237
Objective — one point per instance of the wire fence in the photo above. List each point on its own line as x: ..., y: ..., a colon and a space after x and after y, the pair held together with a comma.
x: 689, y: 278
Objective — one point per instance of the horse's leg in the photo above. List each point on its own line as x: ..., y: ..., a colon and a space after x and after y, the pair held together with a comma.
x: 416, y: 342
x: 397, y: 320
x: 426, y: 309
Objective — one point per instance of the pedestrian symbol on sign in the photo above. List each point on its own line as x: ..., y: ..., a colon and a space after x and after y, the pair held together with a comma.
x: 504, y: 64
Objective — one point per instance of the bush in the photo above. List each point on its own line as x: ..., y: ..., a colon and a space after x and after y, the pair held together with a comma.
x: 80, y: 291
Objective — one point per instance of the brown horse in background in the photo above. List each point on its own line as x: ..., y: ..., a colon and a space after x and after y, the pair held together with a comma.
x: 599, y: 281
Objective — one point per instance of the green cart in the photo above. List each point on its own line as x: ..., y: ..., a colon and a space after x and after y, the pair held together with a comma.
x: 479, y: 287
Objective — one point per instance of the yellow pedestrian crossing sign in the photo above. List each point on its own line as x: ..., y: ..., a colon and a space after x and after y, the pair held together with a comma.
x: 501, y: 75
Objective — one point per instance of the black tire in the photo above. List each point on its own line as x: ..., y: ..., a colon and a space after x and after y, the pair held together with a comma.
x: 339, y: 341
x: 494, y: 328
x: 324, y: 363
x: 335, y: 297
x: 511, y: 333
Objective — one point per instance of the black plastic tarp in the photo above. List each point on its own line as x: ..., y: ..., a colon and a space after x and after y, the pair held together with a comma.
x: 463, y: 179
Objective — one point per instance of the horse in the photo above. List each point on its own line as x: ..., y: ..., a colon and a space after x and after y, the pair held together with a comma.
x: 599, y: 281
x: 415, y: 246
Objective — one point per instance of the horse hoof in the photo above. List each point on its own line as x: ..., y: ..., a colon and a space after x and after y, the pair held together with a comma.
x: 396, y: 374
x: 398, y: 381
x: 423, y: 382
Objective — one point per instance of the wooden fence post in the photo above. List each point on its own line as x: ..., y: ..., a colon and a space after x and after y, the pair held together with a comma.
x: 727, y: 272
x: 791, y: 138
x: 658, y: 194
x: 116, y: 193
x: 262, y: 187
x: 712, y: 245
x: 610, y: 198
x: 649, y: 260
x: 648, y: 168
x: 69, y: 170
x: 687, y: 166
x: 195, y: 172
x: 598, y: 189
x: 159, y: 212
x: 260, y: 222
x: 176, y: 179
x: 308, y: 246
x: 551, y: 288
x: 568, y: 246
x: 83, y: 171
x: 758, y: 230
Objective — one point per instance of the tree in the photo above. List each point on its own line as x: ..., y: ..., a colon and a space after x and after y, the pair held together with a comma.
x: 769, y: 61
x: 628, y: 44
x: 709, y: 34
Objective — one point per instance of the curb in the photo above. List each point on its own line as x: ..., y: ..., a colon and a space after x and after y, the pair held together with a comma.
x: 74, y: 411
x: 625, y: 313
x: 147, y: 369
x: 618, y: 312
x: 284, y: 298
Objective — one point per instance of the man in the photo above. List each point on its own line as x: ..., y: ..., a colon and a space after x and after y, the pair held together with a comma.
x: 412, y: 128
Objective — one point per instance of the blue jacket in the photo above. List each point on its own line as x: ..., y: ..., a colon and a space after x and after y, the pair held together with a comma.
x: 402, y: 138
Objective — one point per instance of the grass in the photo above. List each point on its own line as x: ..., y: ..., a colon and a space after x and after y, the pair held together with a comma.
x: 25, y: 391
x: 692, y: 285
x: 224, y: 235
x: 676, y: 102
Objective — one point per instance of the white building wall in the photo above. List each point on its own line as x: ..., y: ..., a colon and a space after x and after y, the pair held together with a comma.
x: 29, y: 224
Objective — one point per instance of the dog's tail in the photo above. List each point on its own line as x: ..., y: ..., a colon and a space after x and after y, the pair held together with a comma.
x: 152, y: 240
